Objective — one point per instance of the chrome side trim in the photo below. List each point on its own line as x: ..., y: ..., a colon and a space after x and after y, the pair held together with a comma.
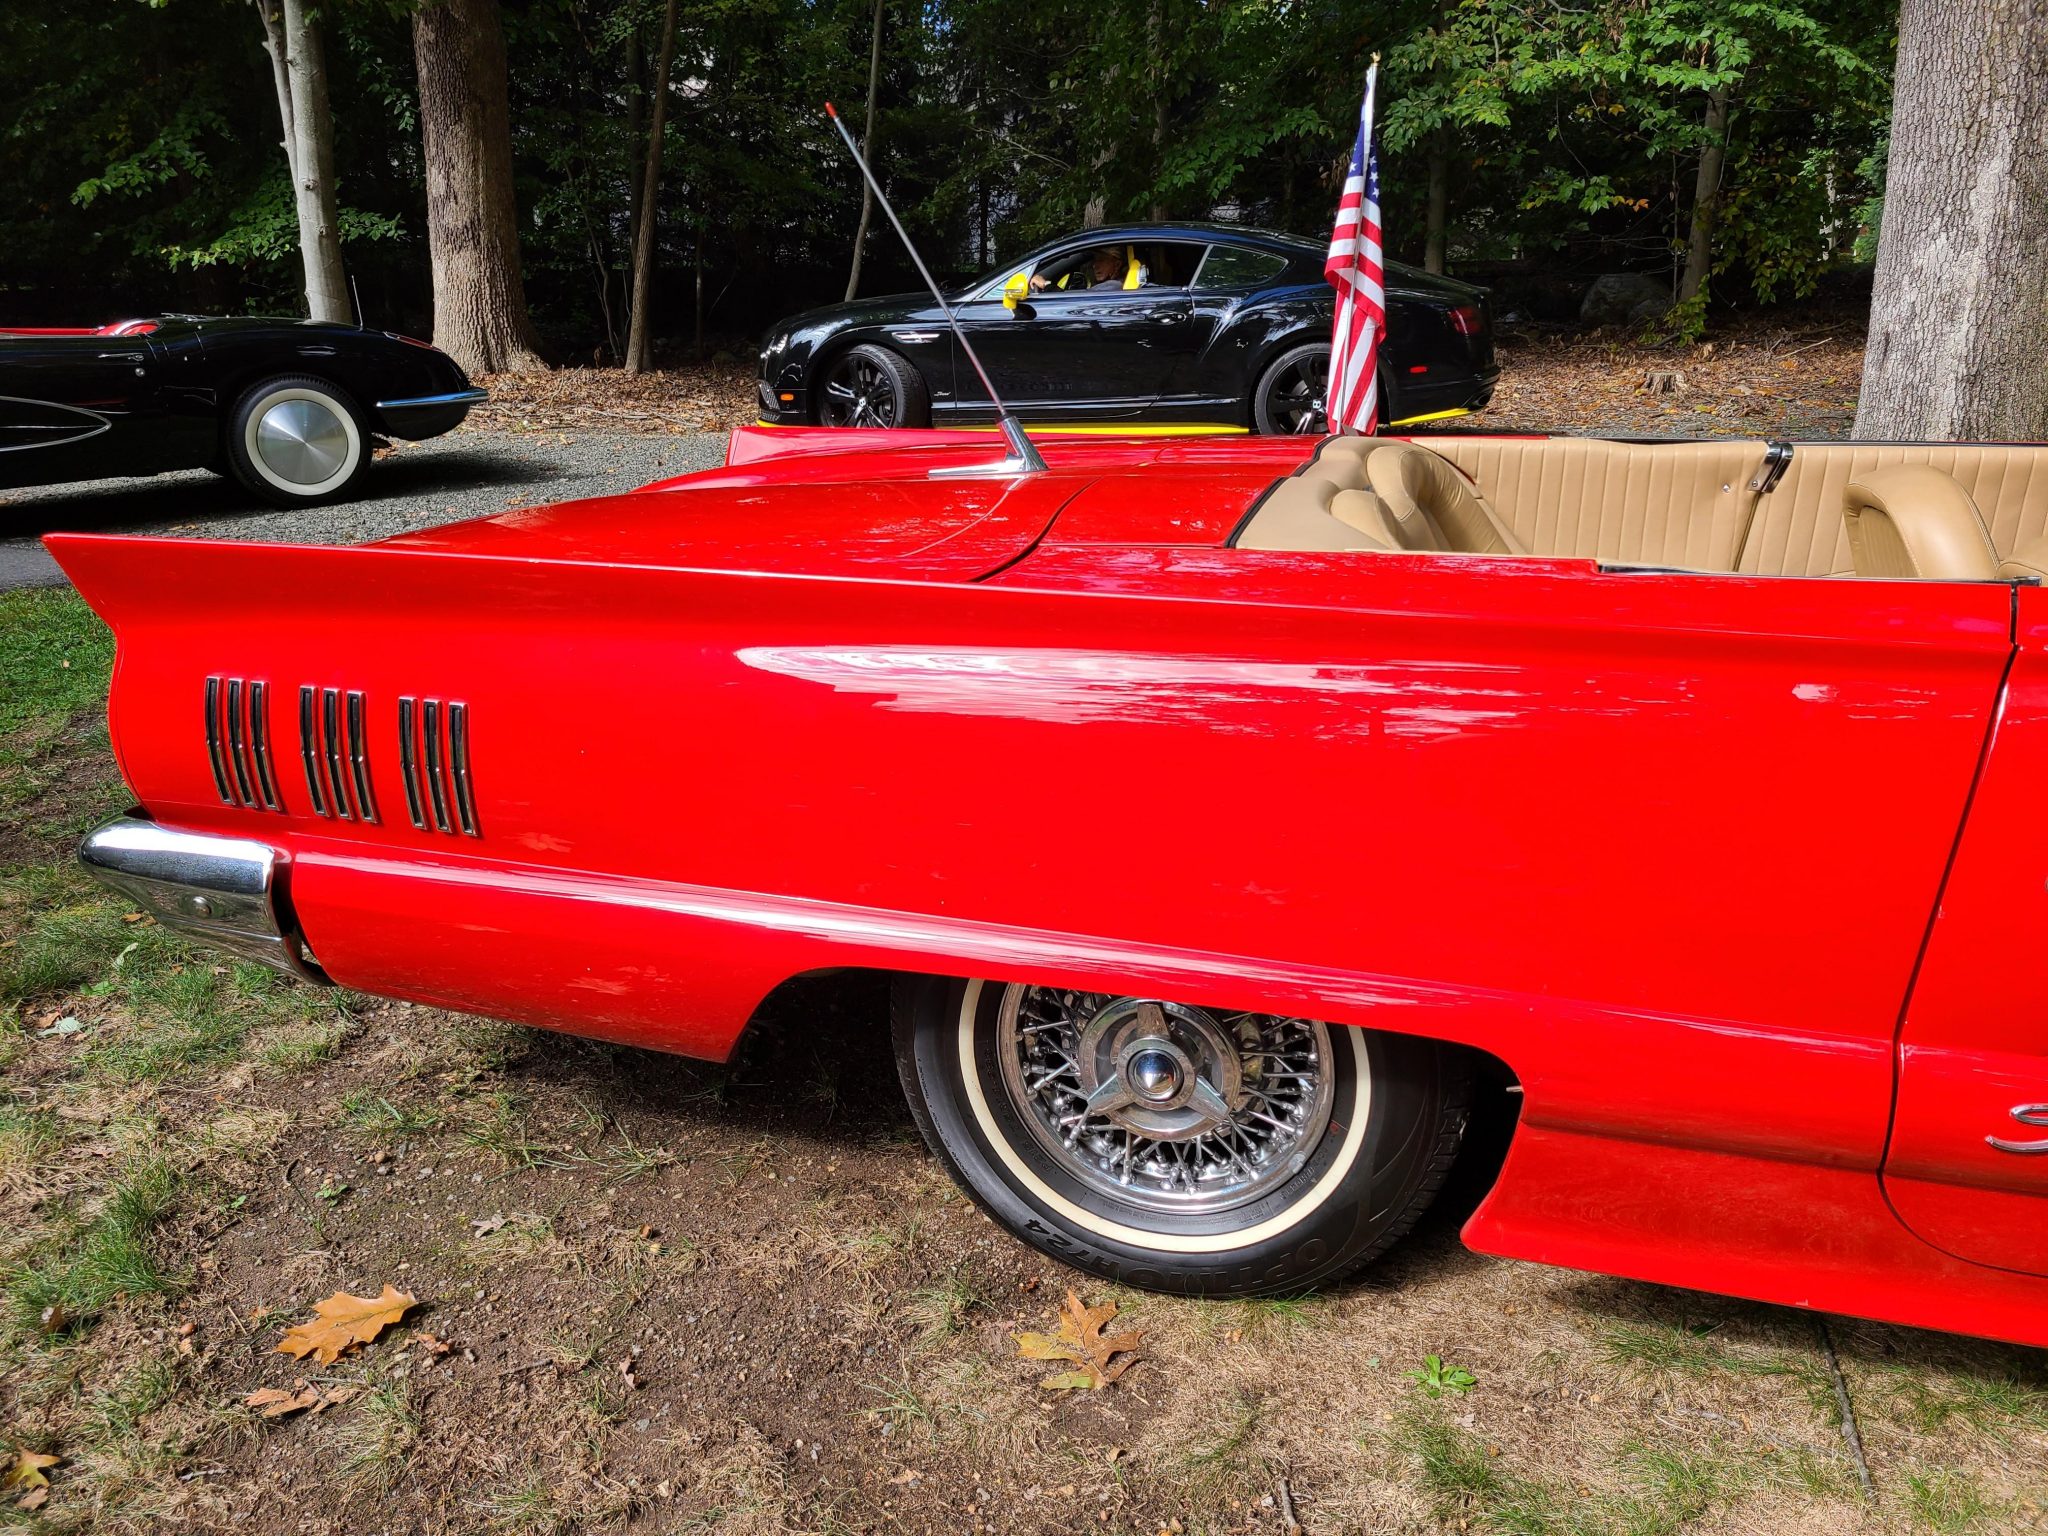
x: 2035, y: 1115
x: 458, y: 397
x: 458, y: 763
x: 330, y: 741
x: 309, y: 750
x: 259, y: 744
x: 213, y: 753
x: 225, y: 891
x: 359, y: 759
x: 408, y: 763
x: 434, y: 787
x: 237, y: 752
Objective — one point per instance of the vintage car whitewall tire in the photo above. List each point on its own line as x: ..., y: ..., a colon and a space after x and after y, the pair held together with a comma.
x: 295, y: 439
x: 1207, y: 1202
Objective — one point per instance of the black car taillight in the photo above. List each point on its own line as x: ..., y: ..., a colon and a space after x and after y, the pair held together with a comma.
x: 1469, y: 320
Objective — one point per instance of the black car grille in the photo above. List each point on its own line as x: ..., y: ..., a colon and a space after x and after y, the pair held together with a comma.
x: 238, y: 743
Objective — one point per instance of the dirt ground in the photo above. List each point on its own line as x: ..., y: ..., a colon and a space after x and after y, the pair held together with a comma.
x: 658, y: 1296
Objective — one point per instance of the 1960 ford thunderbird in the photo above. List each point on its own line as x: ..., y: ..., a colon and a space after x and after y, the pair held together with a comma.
x: 1222, y: 808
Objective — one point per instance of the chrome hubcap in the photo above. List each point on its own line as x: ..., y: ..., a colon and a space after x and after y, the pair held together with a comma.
x: 1163, y: 1105
x: 302, y: 441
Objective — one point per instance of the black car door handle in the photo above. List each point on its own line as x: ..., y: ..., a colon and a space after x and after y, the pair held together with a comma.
x: 122, y: 357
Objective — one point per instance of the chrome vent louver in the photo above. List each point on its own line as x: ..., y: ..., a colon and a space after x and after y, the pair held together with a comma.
x: 433, y: 754
x: 238, y: 743
x: 334, y: 749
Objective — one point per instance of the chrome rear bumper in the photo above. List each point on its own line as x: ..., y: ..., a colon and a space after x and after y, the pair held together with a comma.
x: 225, y: 891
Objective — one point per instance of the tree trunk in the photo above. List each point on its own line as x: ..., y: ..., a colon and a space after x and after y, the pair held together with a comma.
x: 480, y: 316
x: 639, y: 337
x: 636, y: 140
x: 1155, y: 28
x: 1706, y: 198
x: 1438, y: 215
x: 867, y: 151
x: 1954, y: 348
x: 298, y: 68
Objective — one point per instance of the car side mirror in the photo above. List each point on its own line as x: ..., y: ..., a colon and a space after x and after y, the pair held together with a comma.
x: 1018, y: 287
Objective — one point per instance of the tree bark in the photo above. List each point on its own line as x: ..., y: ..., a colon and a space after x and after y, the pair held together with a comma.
x: 1954, y: 349
x: 867, y: 150
x: 639, y: 336
x: 1437, y: 216
x: 1706, y: 198
x: 480, y: 316
x: 636, y: 142
x: 298, y: 68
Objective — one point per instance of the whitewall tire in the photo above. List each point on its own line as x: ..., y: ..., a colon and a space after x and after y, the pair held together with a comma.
x: 1200, y: 1151
x: 296, y: 439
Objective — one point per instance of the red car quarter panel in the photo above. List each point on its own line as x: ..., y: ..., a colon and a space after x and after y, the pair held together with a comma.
x: 1968, y: 1165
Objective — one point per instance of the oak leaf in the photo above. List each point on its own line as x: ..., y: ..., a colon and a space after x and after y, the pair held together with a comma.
x: 276, y: 1403
x: 341, y: 1322
x: 24, y: 1475
x: 1081, y: 1340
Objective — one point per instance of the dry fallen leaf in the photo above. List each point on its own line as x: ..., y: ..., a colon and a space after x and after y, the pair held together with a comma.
x: 24, y: 1475
x: 275, y: 1403
x: 427, y: 1344
x: 1081, y: 1340
x: 343, y: 1321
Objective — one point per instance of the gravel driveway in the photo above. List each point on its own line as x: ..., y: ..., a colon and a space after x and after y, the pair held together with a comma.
x: 465, y: 474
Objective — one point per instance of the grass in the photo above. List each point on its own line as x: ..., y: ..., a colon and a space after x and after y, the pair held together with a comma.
x: 1948, y: 1502
x: 55, y: 657
x: 106, y: 1257
x: 28, y: 1136
x: 380, y: 1433
x: 373, y: 1112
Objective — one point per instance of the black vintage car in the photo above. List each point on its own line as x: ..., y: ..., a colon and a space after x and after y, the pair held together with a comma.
x: 1206, y: 326
x: 290, y: 408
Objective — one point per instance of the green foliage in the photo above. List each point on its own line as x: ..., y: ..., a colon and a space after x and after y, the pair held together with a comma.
x: 140, y: 142
x: 1436, y: 1378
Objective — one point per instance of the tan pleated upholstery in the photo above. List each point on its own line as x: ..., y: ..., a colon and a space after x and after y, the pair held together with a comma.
x: 1800, y: 530
x: 1911, y: 522
x: 1682, y: 504
x: 1687, y: 505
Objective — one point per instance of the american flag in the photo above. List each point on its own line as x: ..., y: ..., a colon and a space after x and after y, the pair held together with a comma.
x: 1357, y: 270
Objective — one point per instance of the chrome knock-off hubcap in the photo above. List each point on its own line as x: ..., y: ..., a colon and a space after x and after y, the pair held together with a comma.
x: 1164, y: 1105
x: 302, y: 441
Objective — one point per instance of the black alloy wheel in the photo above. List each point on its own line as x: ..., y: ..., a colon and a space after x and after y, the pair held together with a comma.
x: 869, y: 386
x: 1290, y: 395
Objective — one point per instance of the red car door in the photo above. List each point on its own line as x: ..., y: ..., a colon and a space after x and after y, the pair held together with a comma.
x: 1967, y: 1168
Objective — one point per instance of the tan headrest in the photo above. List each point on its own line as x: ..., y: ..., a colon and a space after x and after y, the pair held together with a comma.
x: 1433, y: 504
x: 1368, y: 514
x: 1912, y: 521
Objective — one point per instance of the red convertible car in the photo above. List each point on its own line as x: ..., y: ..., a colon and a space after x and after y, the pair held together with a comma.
x: 1223, y: 809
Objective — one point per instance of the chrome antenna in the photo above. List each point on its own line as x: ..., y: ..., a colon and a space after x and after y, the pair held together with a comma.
x: 1024, y: 457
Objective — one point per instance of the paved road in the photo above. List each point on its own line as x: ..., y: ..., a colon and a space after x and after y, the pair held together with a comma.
x: 465, y: 474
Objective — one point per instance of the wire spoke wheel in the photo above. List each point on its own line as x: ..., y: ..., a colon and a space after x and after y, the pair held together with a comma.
x: 1165, y: 1106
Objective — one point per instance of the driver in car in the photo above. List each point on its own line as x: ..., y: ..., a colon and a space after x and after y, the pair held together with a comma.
x: 1105, y: 270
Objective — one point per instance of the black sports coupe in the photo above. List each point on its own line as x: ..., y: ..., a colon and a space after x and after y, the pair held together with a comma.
x: 290, y: 408
x: 1203, y: 326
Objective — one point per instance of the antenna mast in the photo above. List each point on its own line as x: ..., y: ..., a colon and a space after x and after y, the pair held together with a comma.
x: 1024, y: 457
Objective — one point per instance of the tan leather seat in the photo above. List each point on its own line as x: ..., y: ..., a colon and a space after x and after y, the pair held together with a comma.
x: 1911, y: 521
x: 1428, y: 505
x: 2027, y: 563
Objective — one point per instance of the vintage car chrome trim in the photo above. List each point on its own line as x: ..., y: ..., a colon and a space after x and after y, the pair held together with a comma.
x: 2026, y: 1114
x: 225, y: 891
x: 457, y: 397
